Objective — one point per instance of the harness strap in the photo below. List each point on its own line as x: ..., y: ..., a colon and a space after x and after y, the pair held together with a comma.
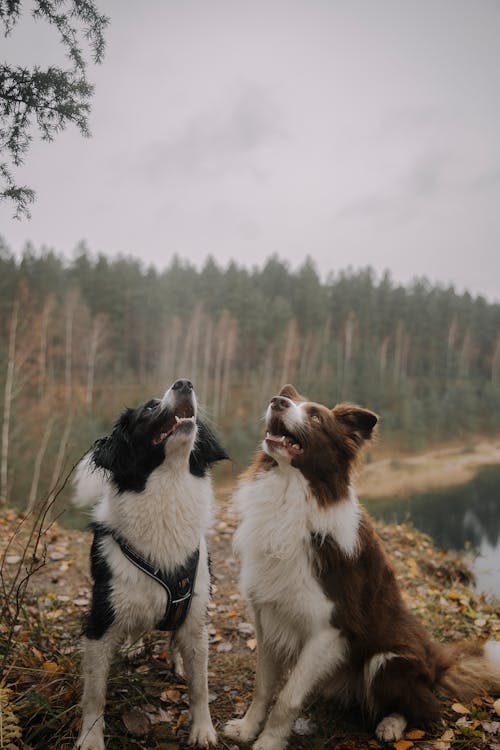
x: 178, y: 584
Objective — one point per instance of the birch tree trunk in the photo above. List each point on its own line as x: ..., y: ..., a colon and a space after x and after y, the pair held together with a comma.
x: 61, y: 454
x: 7, y: 404
x: 38, y: 465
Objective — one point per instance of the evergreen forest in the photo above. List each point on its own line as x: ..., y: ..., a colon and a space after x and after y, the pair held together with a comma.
x: 82, y: 338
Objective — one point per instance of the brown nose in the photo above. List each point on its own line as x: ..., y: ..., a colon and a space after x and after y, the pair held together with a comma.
x: 279, y: 403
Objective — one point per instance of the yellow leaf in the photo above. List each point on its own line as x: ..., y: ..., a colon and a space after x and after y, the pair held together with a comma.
x: 415, y: 734
x: 459, y: 708
x: 413, y: 567
x: 180, y: 722
x: 232, y: 613
x: 402, y: 745
x: 52, y: 667
x: 454, y: 595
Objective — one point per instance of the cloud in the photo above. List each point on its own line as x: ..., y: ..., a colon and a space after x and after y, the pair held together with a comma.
x: 425, y: 178
x: 219, y: 141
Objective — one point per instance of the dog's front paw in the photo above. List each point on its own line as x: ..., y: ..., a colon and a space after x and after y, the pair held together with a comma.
x: 241, y: 730
x: 391, y: 728
x: 268, y: 741
x: 203, y: 735
x: 90, y: 739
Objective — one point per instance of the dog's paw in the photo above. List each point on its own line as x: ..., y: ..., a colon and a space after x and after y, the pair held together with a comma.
x: 203, y: 735
x: 91, y: 739
x: 268, y: 741
x: 241, y: 730
x: 391, y: 728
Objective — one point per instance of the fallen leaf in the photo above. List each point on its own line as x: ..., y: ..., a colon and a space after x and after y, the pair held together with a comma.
x: 448, y: 735
x: 454, y: 595
x: 415, y: 734
x: 170, y: 696
x: 413, y: 567
x: 491, y: 727
x: 252, y: 644
x: 496, y: 706
x: 136, y: 721
x: 403, y: 745
x: 180, y: 722
x: 459, y: 708
x: 52, y: 667
x: 12, y: 559
x: 246, y: 628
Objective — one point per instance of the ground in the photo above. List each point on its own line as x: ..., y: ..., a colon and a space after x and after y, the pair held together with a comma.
x: 147, y: 704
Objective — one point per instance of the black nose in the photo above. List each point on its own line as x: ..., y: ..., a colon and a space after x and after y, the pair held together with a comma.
x: 278, y: 403
x: 184, y: 386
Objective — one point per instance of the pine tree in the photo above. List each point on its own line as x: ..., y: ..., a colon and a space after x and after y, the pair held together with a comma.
x: 49, y: 98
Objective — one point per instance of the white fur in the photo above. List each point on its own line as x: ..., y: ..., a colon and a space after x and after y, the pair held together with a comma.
x: 89, y: 485
x: 278, y: 515
x: 164, y: 523
x: 374, y: 665
x: 492, y: 653
x: 391, y: 728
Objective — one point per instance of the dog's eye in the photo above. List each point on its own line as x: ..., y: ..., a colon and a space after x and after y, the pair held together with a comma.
x: 316, y: 418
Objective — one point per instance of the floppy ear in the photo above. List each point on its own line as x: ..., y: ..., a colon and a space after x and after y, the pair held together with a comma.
x: 206, y: 450
x: 113, y: 452
x: 360, y: 422
x: 289, y: 391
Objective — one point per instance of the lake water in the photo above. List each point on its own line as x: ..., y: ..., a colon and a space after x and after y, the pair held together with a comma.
x: 457, y: 518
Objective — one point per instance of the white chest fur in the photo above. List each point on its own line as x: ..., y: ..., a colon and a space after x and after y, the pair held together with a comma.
x: 273, y: 540
x: 166, y: 521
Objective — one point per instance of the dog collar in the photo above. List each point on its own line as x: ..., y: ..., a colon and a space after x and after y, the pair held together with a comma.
x: 177, y: 584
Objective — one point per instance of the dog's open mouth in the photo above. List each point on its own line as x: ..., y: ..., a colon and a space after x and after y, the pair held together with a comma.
x: 278, y: 437
x: 184, y: 418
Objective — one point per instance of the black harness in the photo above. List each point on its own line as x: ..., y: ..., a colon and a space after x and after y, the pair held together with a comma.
x: 177, y: 584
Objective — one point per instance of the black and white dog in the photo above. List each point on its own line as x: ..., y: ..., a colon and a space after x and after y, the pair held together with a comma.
x: 149, y: 559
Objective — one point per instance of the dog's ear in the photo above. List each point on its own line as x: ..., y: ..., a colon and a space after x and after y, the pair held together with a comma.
x: 359, y: 422
x: 289, y: 391
x: 113, y: 452
x: 206, y: 450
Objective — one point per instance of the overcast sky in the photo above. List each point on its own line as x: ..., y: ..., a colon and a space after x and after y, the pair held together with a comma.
x: 356, y: 132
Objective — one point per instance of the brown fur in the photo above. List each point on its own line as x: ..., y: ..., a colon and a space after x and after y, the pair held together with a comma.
x: 331, y: 440
x: 369, y: 609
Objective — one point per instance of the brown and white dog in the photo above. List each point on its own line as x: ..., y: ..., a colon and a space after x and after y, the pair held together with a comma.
x: 328, y: 610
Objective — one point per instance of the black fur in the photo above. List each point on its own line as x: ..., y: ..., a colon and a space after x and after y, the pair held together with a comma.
x: 206, y: 451
x: 101, y: 615
x: 130, y: 456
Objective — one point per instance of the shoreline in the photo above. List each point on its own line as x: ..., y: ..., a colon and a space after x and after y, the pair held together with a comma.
x: 430, y: 470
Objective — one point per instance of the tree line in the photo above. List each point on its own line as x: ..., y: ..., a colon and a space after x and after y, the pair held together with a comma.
x: 80, y: 339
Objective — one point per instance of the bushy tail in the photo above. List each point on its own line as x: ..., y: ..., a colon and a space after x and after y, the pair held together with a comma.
x: 469, y: 669
x: 89, y: 485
